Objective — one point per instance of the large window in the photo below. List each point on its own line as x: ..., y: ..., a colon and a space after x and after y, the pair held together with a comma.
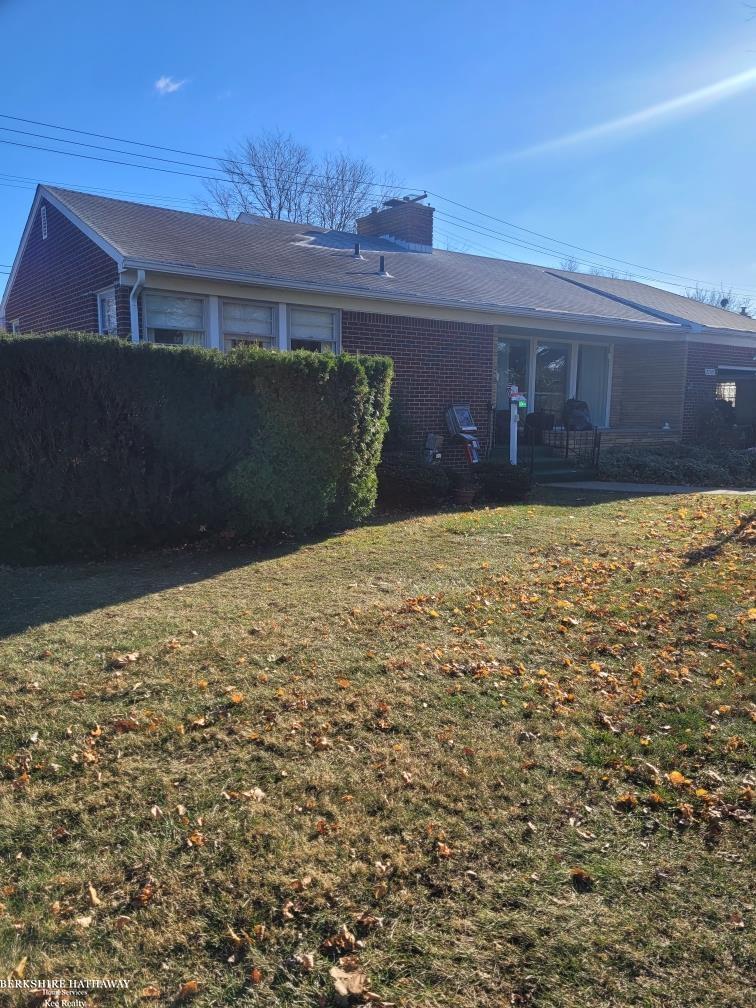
x: 174, y: 319
x: 247, y: 324
x: 592, y: 380
x: 552, y: 373
x: 726, y: 391
x: 106, y: 313
x: 312, y: 329
x: 511, y: 369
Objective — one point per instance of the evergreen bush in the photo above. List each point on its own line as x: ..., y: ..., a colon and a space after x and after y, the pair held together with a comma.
x: 109, y: 445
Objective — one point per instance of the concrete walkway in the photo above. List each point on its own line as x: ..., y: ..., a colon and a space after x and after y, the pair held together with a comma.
x: 646, y: 489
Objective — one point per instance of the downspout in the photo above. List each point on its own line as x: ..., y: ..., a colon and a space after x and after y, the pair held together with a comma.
x: 134, y: 305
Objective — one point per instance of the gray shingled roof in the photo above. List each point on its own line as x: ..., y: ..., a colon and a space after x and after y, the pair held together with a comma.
x: 663, y: 301
x: 280, y: 252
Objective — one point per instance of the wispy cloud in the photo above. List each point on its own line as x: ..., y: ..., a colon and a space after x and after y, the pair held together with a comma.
x: 167, y: 85
x: 647, y: 117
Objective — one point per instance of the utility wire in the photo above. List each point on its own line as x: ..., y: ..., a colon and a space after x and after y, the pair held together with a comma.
x: 462, y: 222
x: 446, y: 199
x: 465, y: 225
x: 579, y: 248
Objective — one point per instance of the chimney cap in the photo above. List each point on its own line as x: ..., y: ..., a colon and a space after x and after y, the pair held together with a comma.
x: 393, y: 201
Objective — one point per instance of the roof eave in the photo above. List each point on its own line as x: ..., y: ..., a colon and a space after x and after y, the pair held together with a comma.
x: 403, y: 298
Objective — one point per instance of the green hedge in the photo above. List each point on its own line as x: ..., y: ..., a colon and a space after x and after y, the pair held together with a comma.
x: 108, y: 445
x: 406, y: 483
x: 679, y: 463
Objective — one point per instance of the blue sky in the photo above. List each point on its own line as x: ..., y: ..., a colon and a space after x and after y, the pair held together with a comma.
x: 625, y: 127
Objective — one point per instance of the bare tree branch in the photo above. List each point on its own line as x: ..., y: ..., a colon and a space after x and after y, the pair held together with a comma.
x: 275, y: 176
x: 719, y: 298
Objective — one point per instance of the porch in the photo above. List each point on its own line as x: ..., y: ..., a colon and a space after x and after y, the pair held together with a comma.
x: 633, y: 392
x: 633, y: 389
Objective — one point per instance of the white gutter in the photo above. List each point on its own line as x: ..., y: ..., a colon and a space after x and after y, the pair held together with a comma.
x: 345, y: 290
x: 134, y: 305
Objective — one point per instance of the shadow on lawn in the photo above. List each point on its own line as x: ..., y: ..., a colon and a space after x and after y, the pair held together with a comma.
x: 30, y: 596
x: 744, y: 534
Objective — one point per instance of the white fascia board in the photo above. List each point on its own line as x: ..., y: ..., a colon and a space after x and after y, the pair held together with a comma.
x: 254, y: 280
x: 94, y: 236
x: 724, y: 337
x: 44, y: 193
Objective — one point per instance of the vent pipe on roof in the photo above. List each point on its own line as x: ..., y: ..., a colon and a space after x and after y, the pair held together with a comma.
x: 357, y: 251
x: 382, y: 266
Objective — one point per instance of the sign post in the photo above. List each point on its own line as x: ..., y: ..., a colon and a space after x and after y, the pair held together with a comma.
x: 516, y: 401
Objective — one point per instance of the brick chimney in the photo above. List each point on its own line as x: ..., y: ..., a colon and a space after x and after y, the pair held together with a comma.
x: 406, y: 221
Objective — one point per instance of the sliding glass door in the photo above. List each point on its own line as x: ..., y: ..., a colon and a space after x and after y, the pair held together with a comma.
x: 549, y: 372
x: 592, y: 380
x: 511, y: 369
x: 552, y: 375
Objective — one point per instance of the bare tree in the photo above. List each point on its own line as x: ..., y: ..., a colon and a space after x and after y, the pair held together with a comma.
x: 719, y: 298
x: 345, y: 189
x: 612, y: 274
x: 570, y: 264
x: 270, y: 175
x: 273, y: 175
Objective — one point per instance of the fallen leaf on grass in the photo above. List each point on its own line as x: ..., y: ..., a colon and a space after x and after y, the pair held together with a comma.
x: 145, y: 894
x: 150, y: 992
x: 305, y: 961
x: 342, y: 941
x: 287, y: 910
x: 83, y: 922
x: 127, y: 724
x: 94, y: 899
x: 255, y: 794
x: 581, y: 879
x: 676, y: 779
x: 119, y: 660
x: 256, y: 975
x: 187, y: 990
x: 348, y: 983
x: 17, y: 973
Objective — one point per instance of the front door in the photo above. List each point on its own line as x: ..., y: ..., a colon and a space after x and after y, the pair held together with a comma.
x: 511, y: 369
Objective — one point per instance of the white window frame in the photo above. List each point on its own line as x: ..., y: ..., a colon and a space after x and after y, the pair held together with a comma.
x: 15, y: 326
x: 175, y: 294
x: 274, y: 325
x: 335, y: 312
x: 574, y: 345
x: 106, y: 292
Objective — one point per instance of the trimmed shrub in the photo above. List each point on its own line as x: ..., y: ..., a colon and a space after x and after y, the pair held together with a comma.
x: 502, y: 481
x: 109, y: 445
x: 681, y: 464
x: 405, y: 483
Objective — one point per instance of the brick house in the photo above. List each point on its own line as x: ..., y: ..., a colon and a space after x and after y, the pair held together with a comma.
x: 460, y: 328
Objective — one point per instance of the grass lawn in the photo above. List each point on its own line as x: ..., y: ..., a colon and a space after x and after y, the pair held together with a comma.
x: 495, y: 758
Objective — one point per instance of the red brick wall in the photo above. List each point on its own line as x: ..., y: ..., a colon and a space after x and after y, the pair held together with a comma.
x: 58, y: 277
x: 410, y: 222
x: 436, y: 364
x: 648, y: 381
x: 699, y: 387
